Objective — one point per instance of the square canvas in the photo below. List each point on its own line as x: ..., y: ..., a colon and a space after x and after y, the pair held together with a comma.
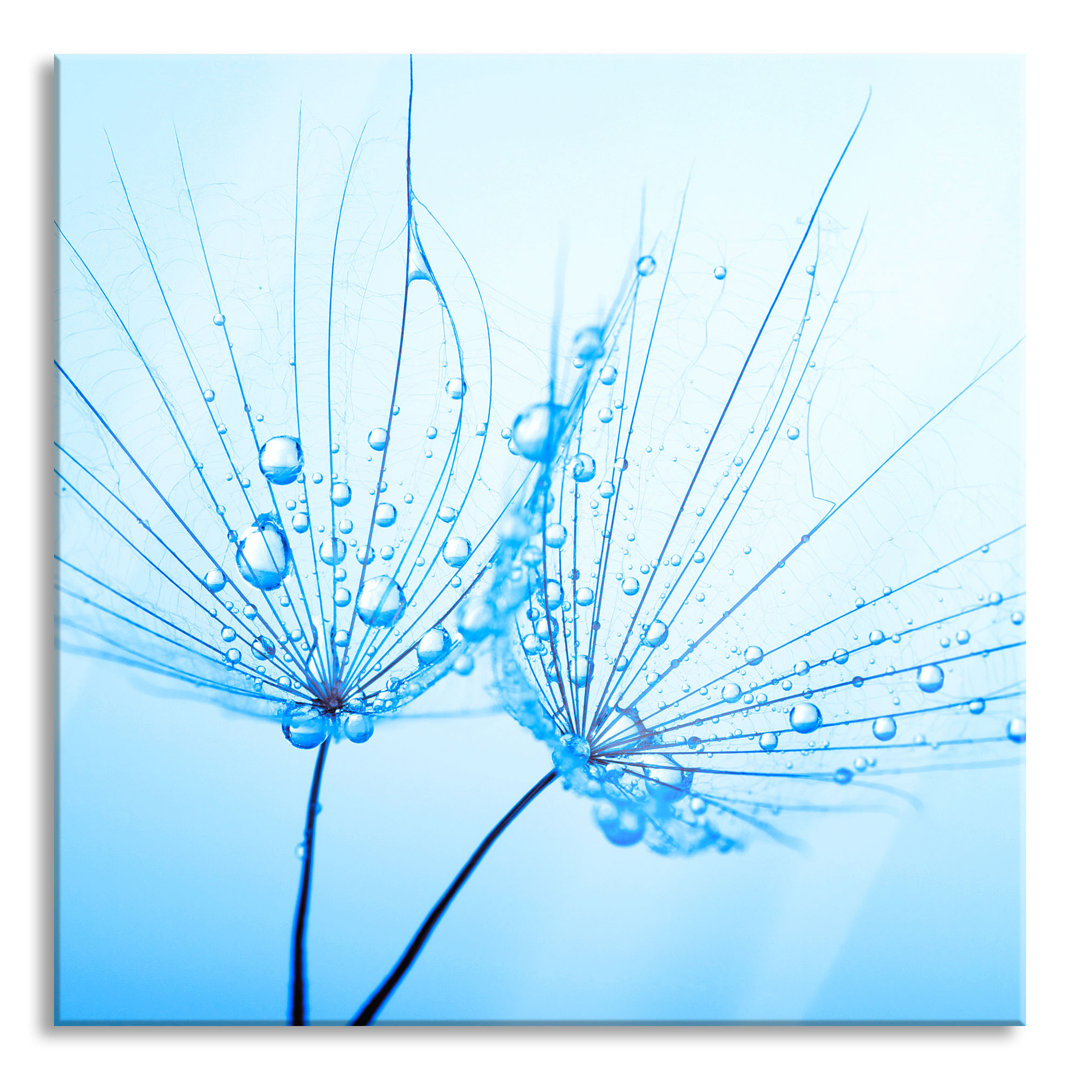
x: 540, y: 540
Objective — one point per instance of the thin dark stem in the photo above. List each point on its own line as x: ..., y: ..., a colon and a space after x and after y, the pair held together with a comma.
x: 297, y: 978
x: 389, y: 984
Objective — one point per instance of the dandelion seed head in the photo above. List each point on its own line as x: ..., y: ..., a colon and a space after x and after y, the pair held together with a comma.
x: 718, y: 632
x: 251, y: 384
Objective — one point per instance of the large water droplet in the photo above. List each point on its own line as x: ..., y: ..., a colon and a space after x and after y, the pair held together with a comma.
x: 1017, y: 731
x: 731, y: 692
x: 306, y: 729
x: 608, y: 374
x: 342, y: 596
x: 655, y: 634
x: 456, y: 551
x: 377, y: 438
x: 930, y: 678
x: 768, y: 741
x: 385, y: 514
x: 719, y: 272
x: 884, y: 728
x: 263, y: 648
x: 332, y: 551
x: 381, y: 601
x: 433, y: 646
x: 583, y: 468
x: 536, y: 432
x: 804, y: 717
x: 359, y: 727
x: 214, y: 580
x: 753, y: 655
x: 555, y: 535
x: 262, y: 554
x: 456, y: 389
x: 582, y: 670
x: 340, y: 494
x: 281, y: 459
x: 630, y: 586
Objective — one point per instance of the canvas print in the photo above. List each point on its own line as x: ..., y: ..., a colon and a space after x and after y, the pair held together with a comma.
x: 540, y: 540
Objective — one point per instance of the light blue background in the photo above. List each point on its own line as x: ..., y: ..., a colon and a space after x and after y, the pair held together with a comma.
x: 177, y: 823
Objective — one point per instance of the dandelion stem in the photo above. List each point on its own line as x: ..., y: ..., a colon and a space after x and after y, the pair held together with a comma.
x: 298, y: 979
x: 389, y: 984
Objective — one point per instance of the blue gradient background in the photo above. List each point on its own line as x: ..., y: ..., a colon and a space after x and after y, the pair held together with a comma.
x: 177, y: 823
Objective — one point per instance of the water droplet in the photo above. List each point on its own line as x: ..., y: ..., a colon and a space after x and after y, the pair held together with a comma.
x: 208, y: 395
x: 589, y: 344
x: 340, y: 493
x: 359, y: 727
x: 1017, y: 618
x: 301, y: 523
x: 281, y: 459
x: 976, y: 706
x: 263, y: 556
x: 455, y: 388
x: 332, y: 551
x: 306, y: 729
x: 753, y: 655
x: 583, y: 468
x: 433, y: 646
x: 381, y: 601
x: 731, y: 692
x: 263, y: 648
x: 884, y: 728
x: 606, y: 489
x: 228, y: 633
x: 792, y: 433
x: 214, y: 580
x: 536, y: 432
x: 1017, y: 731
x: 342, y: 596
x: 456, y: 551
x: 646, y: 265
x: 804, y: 718
x: 840, y: 656
x: 655, y: 634
x: 876, y: 637
x: 630, y: 586
x: 584, y: 597
x: 555, y: 535
x: 377, y: 438
x: 843, y: 776
x: 385, y: 514
x: 622, y: 827
x: 768, y: 741
x: 719, y: 272
x: 606, y: 415
x: 477, y: 620
x: 930, y: 678
x: 608, y: 374
x: 219, y: 319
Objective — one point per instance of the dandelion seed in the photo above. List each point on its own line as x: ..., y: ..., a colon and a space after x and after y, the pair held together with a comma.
x: 213, y: 586
x: 624, y: 690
